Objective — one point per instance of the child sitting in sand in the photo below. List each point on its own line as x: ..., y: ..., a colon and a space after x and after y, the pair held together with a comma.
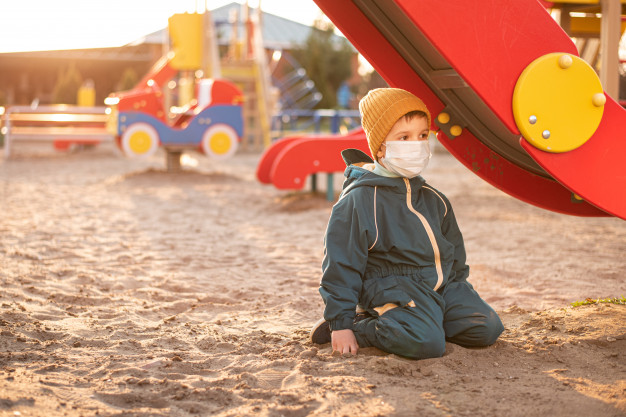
x: 393, y: 249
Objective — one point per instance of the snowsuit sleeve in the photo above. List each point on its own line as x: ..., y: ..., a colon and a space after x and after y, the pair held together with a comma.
x: 345, y: 259
x: 451, y: 231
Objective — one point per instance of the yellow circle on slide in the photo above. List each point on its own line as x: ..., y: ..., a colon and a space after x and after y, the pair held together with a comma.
x: 140, y: 142
x: 220, y: 143
x: 557, y: 102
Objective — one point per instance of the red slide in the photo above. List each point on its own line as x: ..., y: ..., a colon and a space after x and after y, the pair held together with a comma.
x: 484, y: 69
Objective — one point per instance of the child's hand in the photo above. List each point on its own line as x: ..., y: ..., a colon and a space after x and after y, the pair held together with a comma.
x: 343, y: 341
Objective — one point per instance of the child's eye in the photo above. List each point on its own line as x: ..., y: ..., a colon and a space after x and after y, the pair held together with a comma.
x: 424, y: 136
x: 403, y: 137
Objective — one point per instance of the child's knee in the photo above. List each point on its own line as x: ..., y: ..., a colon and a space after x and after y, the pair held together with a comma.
x: 402, y: 332
x: 424, y: 347
x: 431, y: 348
x: 482, y: 332
x: 493, y: 329
x: 489, y: 331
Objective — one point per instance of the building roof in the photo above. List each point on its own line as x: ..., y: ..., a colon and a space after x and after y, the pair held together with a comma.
x: 138, y: 54
x: 278, y: 32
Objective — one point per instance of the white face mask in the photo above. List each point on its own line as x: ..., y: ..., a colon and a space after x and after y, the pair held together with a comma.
x: 406, y: 158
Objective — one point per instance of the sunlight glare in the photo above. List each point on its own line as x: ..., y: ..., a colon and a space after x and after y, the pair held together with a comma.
x: 38, y: 25
x: 189, y: 161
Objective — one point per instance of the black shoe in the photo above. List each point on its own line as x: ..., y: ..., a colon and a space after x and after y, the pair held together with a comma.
x: 321, y: 334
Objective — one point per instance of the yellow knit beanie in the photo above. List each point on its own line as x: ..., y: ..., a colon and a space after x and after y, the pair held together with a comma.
x: 380, y: 110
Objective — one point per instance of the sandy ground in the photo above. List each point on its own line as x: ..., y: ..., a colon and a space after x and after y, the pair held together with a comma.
x: 128, y: 291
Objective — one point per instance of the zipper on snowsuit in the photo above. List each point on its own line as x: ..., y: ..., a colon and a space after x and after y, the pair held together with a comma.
x: 429, y: 232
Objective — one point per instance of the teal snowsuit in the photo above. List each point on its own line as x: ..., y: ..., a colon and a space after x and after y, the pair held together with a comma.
x: 393, y: 247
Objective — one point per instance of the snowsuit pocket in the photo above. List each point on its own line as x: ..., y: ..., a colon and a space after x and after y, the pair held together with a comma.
x: 378, y: 292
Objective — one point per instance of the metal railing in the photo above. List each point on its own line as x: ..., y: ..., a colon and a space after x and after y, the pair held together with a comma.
x: 289, y: 122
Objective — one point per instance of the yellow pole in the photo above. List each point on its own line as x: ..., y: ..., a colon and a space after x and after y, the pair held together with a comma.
x: 261, y: 93
x: 210, y: 56
x: 86, y: 94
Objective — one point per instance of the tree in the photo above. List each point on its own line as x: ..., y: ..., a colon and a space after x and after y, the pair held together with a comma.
x: 327, y: 59
x: 129, y: 79
x: 67, y: 85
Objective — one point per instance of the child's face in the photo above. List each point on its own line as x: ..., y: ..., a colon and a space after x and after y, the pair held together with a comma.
x: 414, y: 129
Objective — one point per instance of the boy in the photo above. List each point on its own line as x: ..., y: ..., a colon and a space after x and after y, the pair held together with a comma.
x: 393, y: 249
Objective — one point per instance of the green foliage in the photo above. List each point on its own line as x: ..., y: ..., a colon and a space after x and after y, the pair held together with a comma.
x: 588, y: 301
x: 129, y: 79
x: 67, y: 85
x: 327, y: 60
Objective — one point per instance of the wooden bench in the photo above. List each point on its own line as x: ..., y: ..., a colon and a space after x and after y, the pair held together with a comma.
x: 62, y: 125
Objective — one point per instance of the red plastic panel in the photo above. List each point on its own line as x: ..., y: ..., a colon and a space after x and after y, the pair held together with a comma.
x: 145, y: 99
x: 65, y: 144
x: 271, y: 154
x: 467, y: 148
x: 489, y: 43
x: 161, y: 72
x: 310, y: 155
x: 597, y: 170
x: 519, y: 183
x: 264, y: 167
x: 492, y: 64
x: 225, y: 92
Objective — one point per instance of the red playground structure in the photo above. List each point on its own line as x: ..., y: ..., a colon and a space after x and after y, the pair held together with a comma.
x: 208, y: 118
x: 289, y: 161
x: 509, y: 94
x: 212, y: 123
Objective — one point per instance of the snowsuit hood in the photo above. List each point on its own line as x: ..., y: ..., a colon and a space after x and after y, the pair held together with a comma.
x: 357, y: 175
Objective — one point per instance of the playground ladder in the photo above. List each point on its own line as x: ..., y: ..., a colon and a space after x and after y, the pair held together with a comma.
x: 256, y: 111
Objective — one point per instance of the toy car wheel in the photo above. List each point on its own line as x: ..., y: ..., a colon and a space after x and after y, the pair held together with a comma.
x: 220, y: 141
x: 140, y: 140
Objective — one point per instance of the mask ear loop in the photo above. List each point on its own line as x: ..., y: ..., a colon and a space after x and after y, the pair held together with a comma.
x: 432, y: 136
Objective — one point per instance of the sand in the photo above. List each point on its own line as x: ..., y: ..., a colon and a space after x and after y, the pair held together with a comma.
x: 130, y: 291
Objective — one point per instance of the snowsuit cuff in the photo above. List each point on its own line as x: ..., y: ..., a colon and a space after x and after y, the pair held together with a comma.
x: 342, y: 324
